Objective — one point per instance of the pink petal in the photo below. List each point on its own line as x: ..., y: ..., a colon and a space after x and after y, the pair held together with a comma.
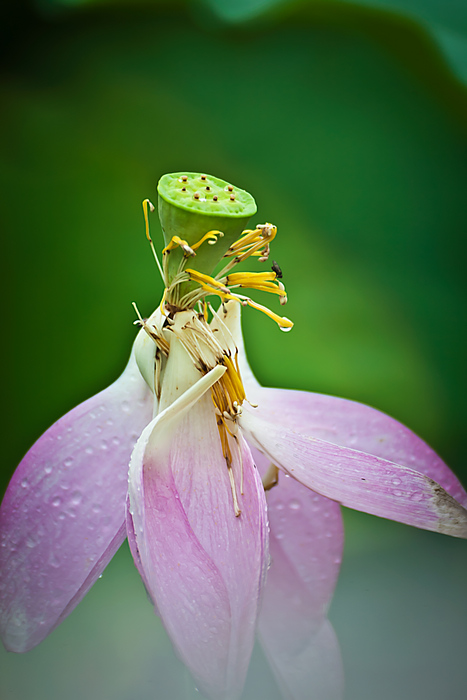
x: 353, y: 478
x: 62, y: 518
x: 352, y: 424
x: 306, y: 542
x: 342, y: 422
x: 203, y: 566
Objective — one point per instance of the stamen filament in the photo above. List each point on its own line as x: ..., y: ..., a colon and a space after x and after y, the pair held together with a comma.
x: 210, y: 236
x: 148, y: 206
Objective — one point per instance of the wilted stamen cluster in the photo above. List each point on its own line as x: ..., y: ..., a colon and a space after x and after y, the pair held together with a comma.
x: 228, y: 393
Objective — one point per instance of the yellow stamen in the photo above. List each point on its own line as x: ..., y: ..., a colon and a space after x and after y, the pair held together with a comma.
x: 148, y: 206
x: 177, y: 241
x: 256, y: 280
x: 251, y: 242
x: 283, y: 322
x: 210, y: 236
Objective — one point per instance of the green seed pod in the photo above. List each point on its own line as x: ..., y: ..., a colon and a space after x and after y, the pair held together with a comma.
x: 191, y: 204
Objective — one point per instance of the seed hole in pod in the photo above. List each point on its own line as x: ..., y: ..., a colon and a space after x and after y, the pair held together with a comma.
x: 196, y: 195
x: 203, y: 177
x: 232, y: 198
x: 215, y: 198
x: 183, y: 189
x: 183, y: 178
x: 229, y: 188
x: 208, y: 189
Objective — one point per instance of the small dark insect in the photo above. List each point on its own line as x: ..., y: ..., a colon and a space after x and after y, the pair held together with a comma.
x: 275, y: 268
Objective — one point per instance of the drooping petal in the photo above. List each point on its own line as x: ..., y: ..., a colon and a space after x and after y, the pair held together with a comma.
x: 360, y: 427
x: 340, y: 421
x: 62, y: 518
x: 306, y: 541
x: 203, y: 566
x: 354, y: 478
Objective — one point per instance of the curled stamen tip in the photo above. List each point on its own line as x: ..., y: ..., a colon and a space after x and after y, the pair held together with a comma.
x: 150, y: 205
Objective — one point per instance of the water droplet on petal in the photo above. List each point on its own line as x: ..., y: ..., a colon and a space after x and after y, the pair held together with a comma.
x: 56, y: 500
x: 89, y: 450
x: 54, y: 561
x: 125, y: 407
x: 396, y: 482
x: 24, y: 484
x: 76, y: 497
x: 294, y: 504
x: 68, y: 462
x: 48, y: 469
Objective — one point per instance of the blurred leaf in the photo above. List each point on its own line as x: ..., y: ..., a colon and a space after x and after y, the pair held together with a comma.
x: 444, y: 22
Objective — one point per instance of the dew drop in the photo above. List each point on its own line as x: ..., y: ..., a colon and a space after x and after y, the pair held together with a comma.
x: 396, y: 482
x: 279, y: 506
x: 96, y: 508
x: 68, y: 462
x: 397, y: 493
x: 125, y: 407
x: 56, y: 500
x: 285, y: 329
x: 104, y: 445
x: 76, y: 497
x: 30, y: 543
x: 48, y: 469
x: 54, y: 561
x: 89, y: 450
x: 115, y: 441
x: 24, y: 484
x: 280, y: 536
x: 294, y: 504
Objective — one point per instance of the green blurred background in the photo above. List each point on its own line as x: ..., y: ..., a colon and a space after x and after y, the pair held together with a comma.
x: 347, y: 122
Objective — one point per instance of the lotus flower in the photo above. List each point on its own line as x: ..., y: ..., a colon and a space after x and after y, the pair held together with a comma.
x: 212, y: 457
